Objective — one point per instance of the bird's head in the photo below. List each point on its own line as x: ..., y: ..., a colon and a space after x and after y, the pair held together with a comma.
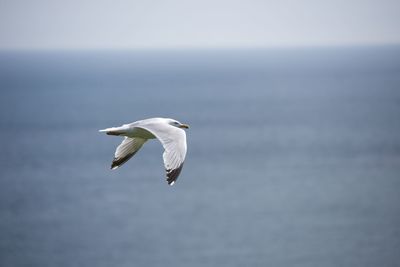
x: 178, y: 124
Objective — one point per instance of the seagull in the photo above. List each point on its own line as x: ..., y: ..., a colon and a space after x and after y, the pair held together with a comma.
x: 168, y: 131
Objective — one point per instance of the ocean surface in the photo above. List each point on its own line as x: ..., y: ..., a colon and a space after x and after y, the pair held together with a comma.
x: 293, y: 158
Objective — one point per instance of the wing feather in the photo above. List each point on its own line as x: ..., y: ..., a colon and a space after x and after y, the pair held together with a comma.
x: 127, y: 149
x: 173, y: 140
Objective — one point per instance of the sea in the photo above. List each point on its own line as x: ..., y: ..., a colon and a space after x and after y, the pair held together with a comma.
x: 293, y: 158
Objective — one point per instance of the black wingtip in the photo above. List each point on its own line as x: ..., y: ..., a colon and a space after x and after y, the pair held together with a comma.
x: 172, y: 175
x: 119, y: 161
x: 114, y: 164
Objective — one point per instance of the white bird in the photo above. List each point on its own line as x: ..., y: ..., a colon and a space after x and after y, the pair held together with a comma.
x: 168, y: 131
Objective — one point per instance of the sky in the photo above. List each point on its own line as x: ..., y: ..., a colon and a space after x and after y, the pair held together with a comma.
x: 130, y: 24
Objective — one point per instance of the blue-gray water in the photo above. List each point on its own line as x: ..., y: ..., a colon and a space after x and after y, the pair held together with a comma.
x: 293, y: 158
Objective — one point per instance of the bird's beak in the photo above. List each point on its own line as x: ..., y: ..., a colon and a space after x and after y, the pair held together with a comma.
x: 184, y: 126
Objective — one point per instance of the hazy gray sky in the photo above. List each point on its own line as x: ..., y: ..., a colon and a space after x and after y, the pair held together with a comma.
x: 125, y: 24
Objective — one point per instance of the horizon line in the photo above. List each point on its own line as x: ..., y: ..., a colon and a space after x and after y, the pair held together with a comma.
x: 198, y: 48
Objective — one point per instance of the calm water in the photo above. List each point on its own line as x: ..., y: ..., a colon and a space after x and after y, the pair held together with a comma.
x: 293, y: 160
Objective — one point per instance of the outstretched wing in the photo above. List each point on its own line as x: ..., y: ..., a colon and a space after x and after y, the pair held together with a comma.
x: 173, y: 140
x: 126, y: 150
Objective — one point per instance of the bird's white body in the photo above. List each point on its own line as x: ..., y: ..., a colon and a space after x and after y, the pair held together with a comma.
x: 168, y: 131
x: 140, y: 133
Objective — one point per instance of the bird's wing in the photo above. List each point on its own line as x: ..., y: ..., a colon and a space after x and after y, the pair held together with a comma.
x: 173, y: 140
x: 126, y: 150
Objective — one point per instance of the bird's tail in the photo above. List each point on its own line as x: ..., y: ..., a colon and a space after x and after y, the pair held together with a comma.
x: 114, y: 131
